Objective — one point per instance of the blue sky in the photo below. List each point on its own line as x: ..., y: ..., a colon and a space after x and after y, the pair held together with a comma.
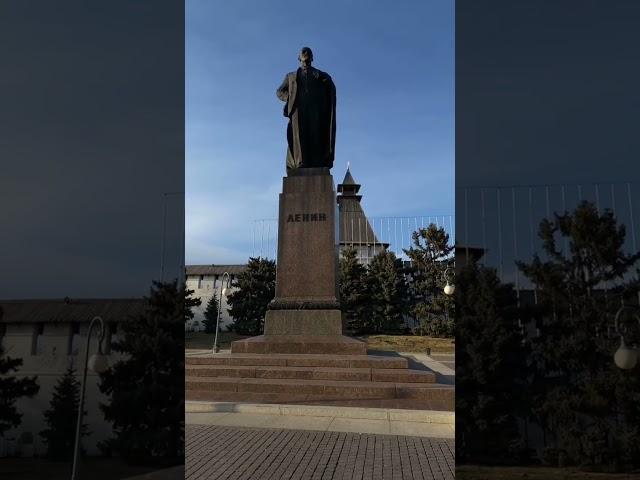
x: 393, y: 66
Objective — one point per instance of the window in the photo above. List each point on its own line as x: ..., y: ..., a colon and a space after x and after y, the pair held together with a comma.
x: 200, y: 281
x: 3, y: 332
x: 74, y: 339
x: 37, y: 339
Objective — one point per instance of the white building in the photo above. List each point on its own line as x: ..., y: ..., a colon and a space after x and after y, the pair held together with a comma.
x: 204, y: 280
x: 49, y: 336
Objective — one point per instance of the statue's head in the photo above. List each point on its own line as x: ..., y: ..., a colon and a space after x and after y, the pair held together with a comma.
x: 306, y: 56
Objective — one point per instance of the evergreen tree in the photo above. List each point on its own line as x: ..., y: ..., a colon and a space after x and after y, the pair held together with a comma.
x: 430, y: 256
x: 211, y: 314
x: 354, y: 295
x: 256, y: 287
x: 62, y: 417
x: 11, y: 389
x: 146, y: 388
x: 586, y: 404
x: 388, y: 292
x: 490, y: 367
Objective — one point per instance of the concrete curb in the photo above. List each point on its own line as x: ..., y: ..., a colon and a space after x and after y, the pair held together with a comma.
x: 389, y: 414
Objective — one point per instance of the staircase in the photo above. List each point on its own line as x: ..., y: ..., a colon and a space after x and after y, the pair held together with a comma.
x: 350, y: 380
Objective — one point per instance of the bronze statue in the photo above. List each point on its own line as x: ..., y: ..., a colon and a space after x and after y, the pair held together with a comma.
x: 310, y: 97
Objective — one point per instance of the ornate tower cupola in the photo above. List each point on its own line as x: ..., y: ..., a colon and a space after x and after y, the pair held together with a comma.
x: 355, y: 230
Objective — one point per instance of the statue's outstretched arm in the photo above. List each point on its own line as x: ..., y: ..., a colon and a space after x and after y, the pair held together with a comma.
x: 283, y: 90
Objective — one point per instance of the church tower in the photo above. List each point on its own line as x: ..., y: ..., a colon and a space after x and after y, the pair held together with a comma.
x: 354, y: 230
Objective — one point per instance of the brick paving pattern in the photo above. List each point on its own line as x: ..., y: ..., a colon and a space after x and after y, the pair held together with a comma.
x: 233, y: 453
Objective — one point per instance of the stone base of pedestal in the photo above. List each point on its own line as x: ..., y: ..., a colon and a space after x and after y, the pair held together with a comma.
x: 301, y: 344
x: 303, y: 322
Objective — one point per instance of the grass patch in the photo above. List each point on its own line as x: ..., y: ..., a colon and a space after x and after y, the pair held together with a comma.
x: 409, y: 343
x: 202, y: 340
x: 473, y: 472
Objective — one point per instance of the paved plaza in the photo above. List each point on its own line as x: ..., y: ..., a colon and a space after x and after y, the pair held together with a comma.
x: 236, y: 453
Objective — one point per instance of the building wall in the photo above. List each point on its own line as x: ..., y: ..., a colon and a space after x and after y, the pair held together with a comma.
x: 49, y: 364
x: 365, y: 253
x: 204, y: 286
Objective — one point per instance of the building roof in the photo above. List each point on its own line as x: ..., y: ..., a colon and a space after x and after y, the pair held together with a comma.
x: 351, y: 186
x: 348, y: 178
x: 214, y: 269
x: 67, y: 310
x: 355, y: 228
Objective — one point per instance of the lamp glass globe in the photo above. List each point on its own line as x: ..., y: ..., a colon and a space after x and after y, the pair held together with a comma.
x: 449, y: 289
x: 98, y: 363
x: 224, y: 292
x: 625, y: 358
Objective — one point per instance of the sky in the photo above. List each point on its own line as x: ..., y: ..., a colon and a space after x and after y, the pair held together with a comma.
x: 393, y: 66
x: 91, y: 139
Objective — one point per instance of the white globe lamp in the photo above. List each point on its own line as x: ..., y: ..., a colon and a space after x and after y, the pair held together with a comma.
x: 625, y: 358
x: 98, y: 363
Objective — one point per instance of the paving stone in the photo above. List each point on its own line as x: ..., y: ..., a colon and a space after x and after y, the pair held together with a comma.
x: 233, y: 453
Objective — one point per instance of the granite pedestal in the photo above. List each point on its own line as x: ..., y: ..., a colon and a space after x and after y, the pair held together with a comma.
x: 304, y: 316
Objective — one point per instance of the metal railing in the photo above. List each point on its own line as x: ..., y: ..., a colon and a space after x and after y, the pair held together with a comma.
x: 504, y: 220
x: 393, y: 233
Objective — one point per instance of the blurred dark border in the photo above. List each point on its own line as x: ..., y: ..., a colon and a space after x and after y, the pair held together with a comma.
x: 91, y: 206
x: 546, y: 112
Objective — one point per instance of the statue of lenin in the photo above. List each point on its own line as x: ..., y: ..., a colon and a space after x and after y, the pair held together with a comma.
x: 310, y: 97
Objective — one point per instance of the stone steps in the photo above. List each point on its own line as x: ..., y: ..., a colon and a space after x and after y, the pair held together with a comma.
x: 394, y: 375
x: 283, y: 360
x: 322, y: 389
x: 442, y: 404
x: 365, y: 380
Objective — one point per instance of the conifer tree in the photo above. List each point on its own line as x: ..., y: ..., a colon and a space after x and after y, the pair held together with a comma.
x: 146, y: 387
x: 490, y: 367
x: 588, y: 407
x: 11, y: 389
x: 62, y: 417
x: 388, y: 292
x: 430, y: 257
x: 354, y: 294
x: 255, y: 288
x: 211, y: 314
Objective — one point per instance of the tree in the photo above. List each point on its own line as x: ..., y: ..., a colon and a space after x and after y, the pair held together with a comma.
x: 62, y: 417
x: 255, y: 288
x: 146, y: 388
x: 211, y: 314
x: 430, y: 257
x: 586, y: 404
x: 354, y: 294
x: 388, y: 292
x: 11, y: 389
x: 491, y: 371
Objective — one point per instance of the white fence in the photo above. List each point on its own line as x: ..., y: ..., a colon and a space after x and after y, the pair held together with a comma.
x: 392, y: 231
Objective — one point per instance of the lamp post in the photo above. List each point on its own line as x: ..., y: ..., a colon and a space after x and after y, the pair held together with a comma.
x: 97, y: 363
x: 626, y: 357
x: 223, y: 292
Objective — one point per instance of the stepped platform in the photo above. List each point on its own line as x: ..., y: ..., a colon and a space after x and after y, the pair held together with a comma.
x: 349, y: 380
x: 311, y: 360
x: 300, y: 344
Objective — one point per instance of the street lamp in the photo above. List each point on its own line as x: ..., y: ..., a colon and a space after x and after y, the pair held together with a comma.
x: 625, y: 357
x: 223, y: 293
x: 97, y: 363
x: 449, y: 288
